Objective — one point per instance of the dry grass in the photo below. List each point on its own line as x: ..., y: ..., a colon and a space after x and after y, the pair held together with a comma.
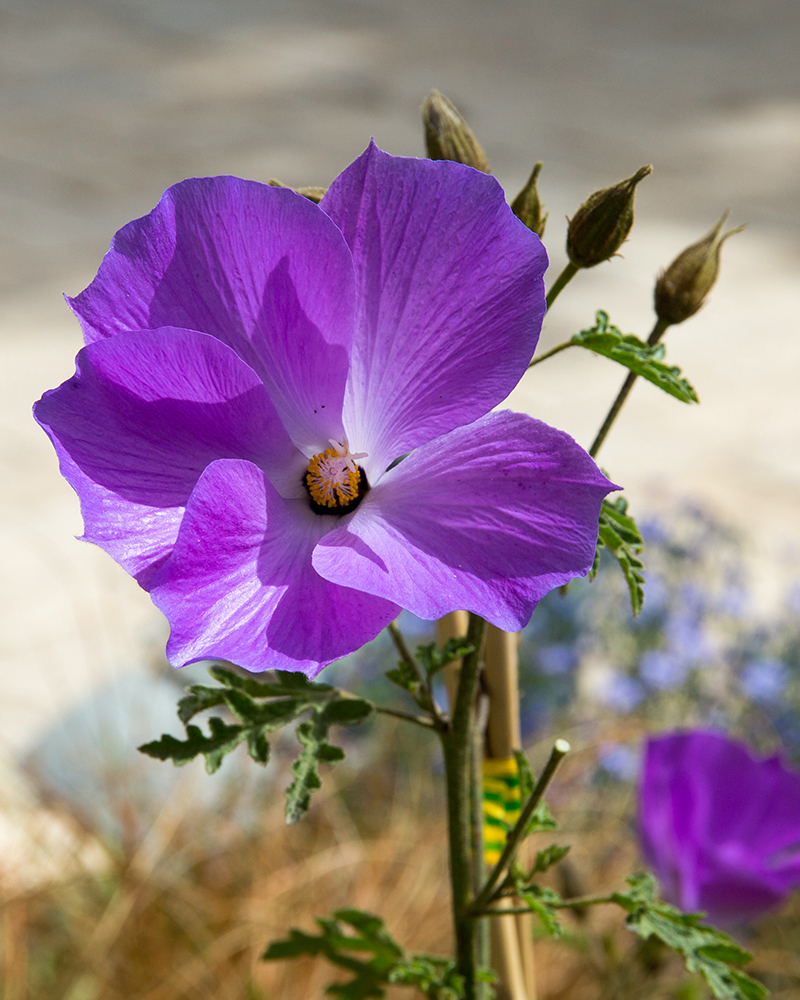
x: 186, y: 916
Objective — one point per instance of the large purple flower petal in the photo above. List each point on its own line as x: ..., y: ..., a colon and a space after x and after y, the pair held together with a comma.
x: 489, y: 518
x: 240, y: 585
x: 142, y: 417
x: 450, y: 299
x: 261, y: 269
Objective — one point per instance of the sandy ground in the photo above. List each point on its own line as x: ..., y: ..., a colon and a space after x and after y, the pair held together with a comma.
x: 103, y: 104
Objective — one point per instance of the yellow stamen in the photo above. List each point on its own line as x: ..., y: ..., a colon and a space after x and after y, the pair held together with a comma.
x: 333, y: 477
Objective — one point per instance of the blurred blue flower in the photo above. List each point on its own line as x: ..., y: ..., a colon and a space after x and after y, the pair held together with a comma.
x: 622, y: 693
x: 556, y: 660
x: 619, y: 760
x: 661, y: 669
x: 764, y: 680
x: 687, y: 638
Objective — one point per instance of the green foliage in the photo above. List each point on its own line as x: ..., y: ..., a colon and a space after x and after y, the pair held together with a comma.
x: 703, y: 948
x: 619, y: 534
x: 436, y: 978
x: 542, y: 901
x: 313, y: 735
x: 260, y: 708
x: 542, y: 819
x: 434, y: 659
x: 548, y: 857
x: 641, y: 358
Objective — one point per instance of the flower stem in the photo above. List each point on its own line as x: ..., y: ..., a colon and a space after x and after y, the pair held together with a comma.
x: 564, y: 278
x: 456, y: 743
x: 560, y: 749
x: 656, y: 335
x: 549, y: 354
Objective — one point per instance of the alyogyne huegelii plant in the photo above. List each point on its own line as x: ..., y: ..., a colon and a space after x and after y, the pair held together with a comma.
x: 283, y: 425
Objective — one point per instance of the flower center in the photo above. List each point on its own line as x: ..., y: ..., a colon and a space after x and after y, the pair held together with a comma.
x: 334, y: 482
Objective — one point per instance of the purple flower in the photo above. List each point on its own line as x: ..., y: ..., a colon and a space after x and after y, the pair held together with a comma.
x: 720, y: 827
x: 257, y: 365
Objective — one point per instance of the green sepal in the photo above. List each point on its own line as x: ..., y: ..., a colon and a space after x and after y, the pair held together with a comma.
x: 617, y: 531
x: 643, y: 359
x: 704, y: 949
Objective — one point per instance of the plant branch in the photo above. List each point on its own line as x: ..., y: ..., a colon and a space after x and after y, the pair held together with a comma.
x: 428, y: 704
x: 564, y: 278
x: 560, y: 749
x: 419, y: 720
x: 549, y: 354
x: 656, y: 334
x: 456, y: 743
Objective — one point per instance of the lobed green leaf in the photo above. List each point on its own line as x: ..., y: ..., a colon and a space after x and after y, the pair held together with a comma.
x: 617, y: 531
x: 643, y: 359
x: 703, y: 948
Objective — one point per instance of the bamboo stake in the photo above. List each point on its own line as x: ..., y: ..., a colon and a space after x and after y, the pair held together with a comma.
x: 512, y: 937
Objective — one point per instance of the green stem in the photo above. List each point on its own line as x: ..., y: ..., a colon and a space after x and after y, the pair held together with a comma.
x: 427, y: 703
x: 656, y: 335
x: 565, y: 904
x: 456, y: 745
x: 485, y: 896
x: 564, y: 278
x: 419, y: 720
x: 482, y: 942
x: 549, y: 354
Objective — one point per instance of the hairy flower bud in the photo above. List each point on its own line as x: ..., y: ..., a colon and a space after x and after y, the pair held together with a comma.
x: 683, y: 287
x: 527, y: 206
x: 315, y: 194
x: 447, y: 135
x: 602, y: 223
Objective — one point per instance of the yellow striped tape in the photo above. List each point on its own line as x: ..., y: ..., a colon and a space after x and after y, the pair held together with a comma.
x: 501, y: 804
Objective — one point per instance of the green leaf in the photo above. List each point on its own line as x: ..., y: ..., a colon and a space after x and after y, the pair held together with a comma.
x: 617, y: 531
x: 313, y: 736
x: 261, y: 707
x: 542, y: 901
x: 385, y: 962
x: 645, y: 360
x: 222, y: 740
x: 548, y: 857
x: 404, y: 676
x: 285, y: 683
x: 369, y: 975
x: 433, y: 659
x: 703, y: 948
x: 198, y: 699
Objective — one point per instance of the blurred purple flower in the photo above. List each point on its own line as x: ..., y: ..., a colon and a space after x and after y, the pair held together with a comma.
x: 764, y: 680
x: 256, y: 363
x: 720, y: 828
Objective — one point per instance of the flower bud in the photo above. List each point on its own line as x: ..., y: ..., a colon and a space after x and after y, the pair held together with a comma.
x: 447, y: 135
x: 527, y: 206
x: 315, y: 194
x: 683, y: 287
x: 602, y: 223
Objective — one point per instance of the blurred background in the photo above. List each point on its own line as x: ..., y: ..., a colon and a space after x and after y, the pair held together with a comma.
x: 103, y: 104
